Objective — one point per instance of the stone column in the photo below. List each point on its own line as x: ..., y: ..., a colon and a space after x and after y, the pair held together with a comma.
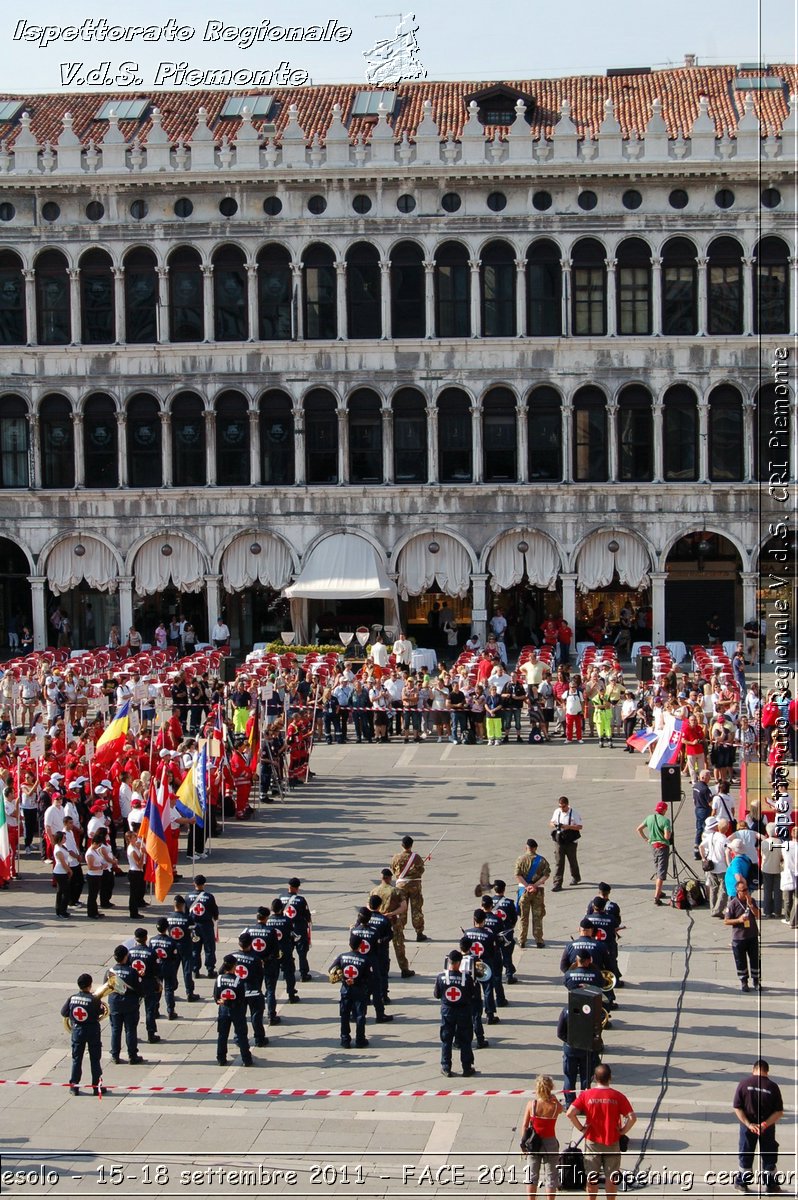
x: 612, y: 442
x: 701, y: 264
x: 568, y: 581
x: 703, y: 441
x: 612, y: 297
x: 522, y: 439
x: 657, y: 410
x: 343, y: 445
x: 747, y: 267
x: 476, y: 293
x: 432, y: 443
x: 520, y: 298
x: 299, y: 444
x: 565, y: 297
x: 119, y: 304
x: 39, y: 606
x: 121, y: 448
x: 74, y: 306
x: 429, y: 298
x: 297, y: 281
x: 125, y: 604
x: 35, y: 456
x: 255, y: 477
x: 479, y: 606
x: 252, y: 302
x: 342, y: 322
x: 166, y: 448
x: 213, y: 600
x: 162, y: 312
x: 30, y: 307
x: 208, y: 329
x: 749, y: 424
x: 792, y: 285
x: 210, y: 448
x: 750, y: 581
x: 80, y: 457
x: 656, y: 296
x: 567, y: 463
x: 477, y: 472
x: 658, y: 579
x: 387, y: 444
x: 385, y: 299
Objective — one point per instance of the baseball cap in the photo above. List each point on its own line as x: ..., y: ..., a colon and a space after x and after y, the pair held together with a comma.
x: 661, y: 807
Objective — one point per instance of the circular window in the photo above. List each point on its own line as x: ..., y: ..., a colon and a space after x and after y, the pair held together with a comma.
x: 631, y: 199
x: 724, y: 198
x: 678, y: 198
x: 272, y: 205
x: 542, y: 201
x: 228, y: 207
x: 7, y: 211
x: 587, y: 201
x: 51, y: 211
x: 497, y: 201
x: 771, y: 197
x: 317, y: 205
x: 361, y: 205
x: 450, y: 202
x: 95, y: 210
x: 183, y: 207
x: 138, y: 210
x: 406, y: 203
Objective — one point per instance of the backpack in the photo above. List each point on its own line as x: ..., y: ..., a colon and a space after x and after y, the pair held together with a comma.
x: 679, y: 898
x: 571, y: 1169
x: 535, y: 735
x: 696, y: 896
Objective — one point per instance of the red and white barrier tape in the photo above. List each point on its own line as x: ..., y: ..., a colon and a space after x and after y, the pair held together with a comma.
x: 306, y: 1093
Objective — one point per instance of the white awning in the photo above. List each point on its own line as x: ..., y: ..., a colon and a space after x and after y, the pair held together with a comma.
x: 268, y: 564
x: 79, y: 557
x: 342, y: 567
x: 418, y: 568
x: 168, y: 560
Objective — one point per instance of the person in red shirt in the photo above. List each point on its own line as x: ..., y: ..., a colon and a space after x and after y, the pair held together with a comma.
x: 608, y: 1116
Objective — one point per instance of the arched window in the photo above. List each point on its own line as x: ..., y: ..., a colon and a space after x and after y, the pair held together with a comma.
x: 544, y: 424
x: 232, y: 440
x: 141, y: 297
x: 275, y: 286
x: 452, y: 291
x: 57, y: 442
x: 12, y: 300
x: 96, y: 298
x: 230, y: 307
x: 188, y: 441
x: 635, y: 436
x: 725, y: 434
x: 186, y: 306
x: 497, y: 290
x: 634, y: 287
x: 499, y: 436
x: 544, y: 290
x: 321, y: 437
x: 725, y: 287
x: 680, y: 434
x: 771, y: 432
x: 14, y: 449
x: 409, y: 437
x: 590, y: 436
x: 408, y: 308
x: 679, y: 288
x: 319, y: 292
x: 100, y: 435
x: 365, y: 437
x: 455, y: 441
x: 771, y: 286
x: 363, y: 291
x: 276, y: 439
x: 589, y: 284
x: 54, y: 327
x: 143, y: 430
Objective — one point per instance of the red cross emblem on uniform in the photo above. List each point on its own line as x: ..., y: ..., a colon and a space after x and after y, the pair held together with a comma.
x: 176, y: 932
x: 160, y: 952
x: 350, y: 974
x: 501, y: 914
x: 198, y: 909
x: 364, y: 947
x: 290, y: 911
x: 227, y: 994
x: 138, y: 966
x: 453, y: 994
x: 478, y: 949
x: 258, y: 944
x: 79, y: 1013
x: 601, y: 935
x: 241, y: 971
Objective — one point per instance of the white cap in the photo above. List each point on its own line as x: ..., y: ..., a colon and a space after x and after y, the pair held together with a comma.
x: 165, y: 754
x: 55, y: 775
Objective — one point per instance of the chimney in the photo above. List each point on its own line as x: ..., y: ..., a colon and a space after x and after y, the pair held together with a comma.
x: 689, y: 60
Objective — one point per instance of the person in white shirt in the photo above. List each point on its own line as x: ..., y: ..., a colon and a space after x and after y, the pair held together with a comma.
x: 73, y: 859
x: 125, y: 795
x: 498, y: 624
x: 747, y: 838
x: 379, y: 654
x: 566, y: 826
x: 403, y: 650
x: 98, y: 819
x: 713, y: 850
x: 220, y: 634
x: 771, y: 848
x: 789, y: 879
x: 532, y: 670
x: 95, y: 865
x: 136, y: 814
x: 498, y: 678
x: 62, y: 873
x: 53, y: 822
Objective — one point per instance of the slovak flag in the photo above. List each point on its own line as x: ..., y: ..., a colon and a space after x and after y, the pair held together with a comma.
x: 669, y: 743
x: 642, y: 739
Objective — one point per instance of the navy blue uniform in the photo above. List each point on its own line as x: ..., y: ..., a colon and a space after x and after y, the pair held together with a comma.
x: 457, y: 994
x: 266, y: 945
x: 482, y: 944
x: 203, y: 908
x: 144, y: 961
x: 229, y: 992
x: 181, y: 931
x: 167, y: 961
x: 296, y: 908
x: 495, y: 925
x: 369, y: 947
x: 83, y: 1011
x: 605, y: 925
x: 576, y: 977
x: 250, y: 968
x: 354, y: 997
x: 124, y: 1011
x: 504, y: 908
x: 384, y: 929
x: 577, y: 1064
x: 281, y: 926
x: 583, y: 945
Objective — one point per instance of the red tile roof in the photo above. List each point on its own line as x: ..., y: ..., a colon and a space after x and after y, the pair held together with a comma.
x: 678, y: 90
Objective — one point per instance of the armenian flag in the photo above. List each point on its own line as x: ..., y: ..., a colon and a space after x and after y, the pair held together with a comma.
x: 152, y: 834
x: 189, y: 803
x: 112, y: 739
x: 642, y: 739
x: 669, y: 743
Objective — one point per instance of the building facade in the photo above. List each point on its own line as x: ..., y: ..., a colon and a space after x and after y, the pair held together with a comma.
x: 512, y: 342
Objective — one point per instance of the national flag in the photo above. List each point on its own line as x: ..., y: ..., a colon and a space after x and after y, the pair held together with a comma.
x: 152, y: 834
x: 5, y: 845
x: 642, y: 739
x: 201, y: 782
x: 253, y: 737
x: 669, y: 743
x: 188, y: 802
x: 112, y: 739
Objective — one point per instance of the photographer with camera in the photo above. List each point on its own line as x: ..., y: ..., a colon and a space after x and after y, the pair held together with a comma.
x: 566, y: 830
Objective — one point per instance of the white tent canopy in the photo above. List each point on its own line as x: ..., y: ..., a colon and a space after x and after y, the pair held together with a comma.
x: 342, y: 567
x: 80, y: 557
x: 418, y: 568
x: 596, y: 564
x: 270, y: 563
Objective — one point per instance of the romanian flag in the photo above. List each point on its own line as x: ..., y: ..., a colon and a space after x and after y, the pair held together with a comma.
x: 642, y: 739
x: 189, y: 802
x: 669, y: 743
x: 112, y: 739
x: 152, y: 834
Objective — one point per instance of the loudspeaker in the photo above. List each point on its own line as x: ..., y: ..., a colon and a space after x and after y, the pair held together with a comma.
x: 584, y: 1017
x: 227, y: 668
x: 670, y: 780
x: 645, y: 668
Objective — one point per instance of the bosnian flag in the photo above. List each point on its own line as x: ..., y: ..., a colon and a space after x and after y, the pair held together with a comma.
x: 669, y: 743
x: 642, y: 739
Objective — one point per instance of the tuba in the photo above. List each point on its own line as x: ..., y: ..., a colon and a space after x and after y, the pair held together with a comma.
x: 482, y: 970
x: 112, y: 984
x: 608, y: 982
x: 336, y: 975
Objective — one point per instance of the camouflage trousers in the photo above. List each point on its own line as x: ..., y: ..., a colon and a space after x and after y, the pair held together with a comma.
x: 535, y: 905
x: 415, y: 905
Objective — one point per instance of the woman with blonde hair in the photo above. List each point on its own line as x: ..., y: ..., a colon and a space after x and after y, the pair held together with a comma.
x: 540, y: 1117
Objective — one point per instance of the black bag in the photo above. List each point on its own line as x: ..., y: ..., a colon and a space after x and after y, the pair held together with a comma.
x: 470, y: 738
x: 535, y: 736
x: 571, y: 1173
x: 623, y: 1143
x: 708, y: 865
x: 532, y: 1142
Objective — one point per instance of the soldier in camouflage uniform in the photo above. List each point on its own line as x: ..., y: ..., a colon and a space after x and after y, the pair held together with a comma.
x: 394, y: 906
x: 408, y: 867
x: 531, y: 873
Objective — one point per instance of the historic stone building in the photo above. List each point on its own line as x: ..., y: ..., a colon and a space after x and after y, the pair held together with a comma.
x: 503, y: 342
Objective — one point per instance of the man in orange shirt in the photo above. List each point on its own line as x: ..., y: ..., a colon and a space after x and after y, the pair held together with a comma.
x: 608, y: 1117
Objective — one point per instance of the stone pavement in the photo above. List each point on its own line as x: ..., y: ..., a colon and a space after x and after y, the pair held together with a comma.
x: 677, y: 1056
